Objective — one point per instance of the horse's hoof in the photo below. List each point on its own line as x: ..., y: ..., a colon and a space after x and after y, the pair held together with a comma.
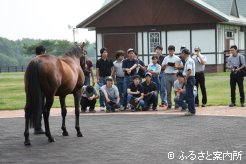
x: 51, y: 139
x: 79, y: 134
x: 65, y: 133
x: 27, y: 143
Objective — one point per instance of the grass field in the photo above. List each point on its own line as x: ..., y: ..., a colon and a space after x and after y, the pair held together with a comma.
x: 12, y: 95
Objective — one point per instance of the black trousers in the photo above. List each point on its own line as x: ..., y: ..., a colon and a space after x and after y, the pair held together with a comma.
x: 200, y: 81
x: 237, y: 79
x: 85, y: 102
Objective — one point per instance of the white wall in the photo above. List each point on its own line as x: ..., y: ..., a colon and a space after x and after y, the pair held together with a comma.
x: 205, y: 39
x: 99, y: 43
x: 140, y: 41
x: 178, y: 38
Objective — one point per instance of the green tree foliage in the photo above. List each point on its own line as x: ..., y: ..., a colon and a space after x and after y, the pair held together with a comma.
x: 19, y: 52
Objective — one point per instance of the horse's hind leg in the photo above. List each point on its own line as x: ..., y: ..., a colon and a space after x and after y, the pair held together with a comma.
x: 26, y: 133
x: 46, y: 114
x: 64, y: 114
x: 76, y: 104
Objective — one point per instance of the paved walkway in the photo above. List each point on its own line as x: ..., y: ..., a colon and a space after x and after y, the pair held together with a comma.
x: 210, y: 111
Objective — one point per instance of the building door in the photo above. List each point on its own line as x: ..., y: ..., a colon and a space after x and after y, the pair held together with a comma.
x: 115, y: 42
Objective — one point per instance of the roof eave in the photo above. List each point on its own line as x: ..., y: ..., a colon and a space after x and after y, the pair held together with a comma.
x: 99, y: 13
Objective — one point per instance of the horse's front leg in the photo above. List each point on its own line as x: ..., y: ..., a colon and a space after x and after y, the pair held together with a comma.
x: 64, y: 114
x: 77, y: 95
x: 46, y: 114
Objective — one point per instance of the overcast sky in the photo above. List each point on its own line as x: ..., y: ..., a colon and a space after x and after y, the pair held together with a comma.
x: 46, y: 19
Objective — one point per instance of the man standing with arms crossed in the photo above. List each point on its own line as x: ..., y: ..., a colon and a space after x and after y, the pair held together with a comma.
x: 162, y: 76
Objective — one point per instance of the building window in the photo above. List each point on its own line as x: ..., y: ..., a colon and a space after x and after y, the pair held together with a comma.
x: 154, y: 40
x: 229, y: 34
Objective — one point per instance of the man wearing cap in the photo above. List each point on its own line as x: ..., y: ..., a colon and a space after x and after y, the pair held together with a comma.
x: 236, y: 63
x: 118, y: 75
x: 171, y: 63
x: 129, y: 67
x: 200, y: 61
x: 162, y: 76
x: 189, y: 74
x: 104, y: 68
x: 111, y: 95
x: 135, y: 94
x: 150, y: 90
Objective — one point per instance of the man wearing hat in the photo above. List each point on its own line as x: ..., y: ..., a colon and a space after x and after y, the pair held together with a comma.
x: 129, y: 67
x: 189, y: 74
x: 111, y: 95
x: 200, y: 61
x: 150, y: 90
x: 171, y: 63
x: 135, y: 94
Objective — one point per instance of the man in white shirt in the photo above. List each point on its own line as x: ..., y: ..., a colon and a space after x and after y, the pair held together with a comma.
x: 171, y: 63
x: 189, y: 74
x: 200, y: 61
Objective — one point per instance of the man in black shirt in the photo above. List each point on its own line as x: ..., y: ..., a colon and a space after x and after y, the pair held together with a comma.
x: 162, y: 76
x: 129, y: 67
x: 135, y: 94
x: 150, y: 92
x: 104, y: 68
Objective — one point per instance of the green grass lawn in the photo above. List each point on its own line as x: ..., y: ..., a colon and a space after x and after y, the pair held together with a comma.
x: 12, y: 95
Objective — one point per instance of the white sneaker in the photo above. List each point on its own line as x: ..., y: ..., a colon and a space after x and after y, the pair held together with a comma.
x: 102, y: 109
x: 189, y: 114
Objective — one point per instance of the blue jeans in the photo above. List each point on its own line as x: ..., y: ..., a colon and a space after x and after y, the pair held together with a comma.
x: 112, y: 106
x: 151, y: 100
x: 87, y: 80
x: 102, y: 81
x: 162, y: 88
x: 120, y: 86
x: 190, y: 95
x: 141, y: 102
x: 180, y: 101
x: 127, y: 80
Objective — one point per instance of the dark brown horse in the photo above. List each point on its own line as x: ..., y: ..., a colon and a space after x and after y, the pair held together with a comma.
x: 47, y: 76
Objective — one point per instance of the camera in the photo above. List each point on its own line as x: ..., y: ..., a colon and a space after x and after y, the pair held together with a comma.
x: 234, y: 69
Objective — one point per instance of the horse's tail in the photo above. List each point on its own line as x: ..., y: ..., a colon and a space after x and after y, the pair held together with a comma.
x: 34, y: 96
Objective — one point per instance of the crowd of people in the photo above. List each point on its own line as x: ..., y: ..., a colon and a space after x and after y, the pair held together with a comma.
x: 129, y: 84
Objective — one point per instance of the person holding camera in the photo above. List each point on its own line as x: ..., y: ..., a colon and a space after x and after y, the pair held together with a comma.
x: 236, y: 63
x: 171, y: 64
x: 200, y: 62
x: 111, y: 95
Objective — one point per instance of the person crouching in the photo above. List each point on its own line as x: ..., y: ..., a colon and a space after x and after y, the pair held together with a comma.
x: 111, y: 94
x: 150, y: 91
x: 88, y: 98
x: 135, y: 94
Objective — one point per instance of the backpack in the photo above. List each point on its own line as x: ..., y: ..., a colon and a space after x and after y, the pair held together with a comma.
x: 243, y: 70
